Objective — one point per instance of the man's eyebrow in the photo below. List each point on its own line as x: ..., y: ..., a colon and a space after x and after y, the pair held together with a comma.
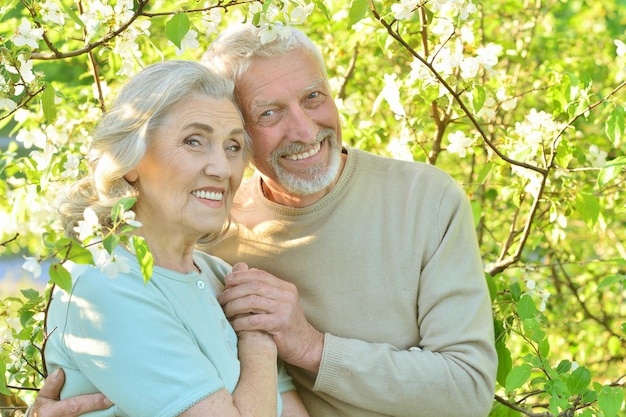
x: 315, y: 85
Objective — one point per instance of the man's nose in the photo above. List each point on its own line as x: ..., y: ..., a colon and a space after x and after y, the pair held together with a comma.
x: 301, y: 126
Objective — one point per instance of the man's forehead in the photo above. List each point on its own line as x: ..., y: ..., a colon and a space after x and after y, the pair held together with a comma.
x: 262, y: 101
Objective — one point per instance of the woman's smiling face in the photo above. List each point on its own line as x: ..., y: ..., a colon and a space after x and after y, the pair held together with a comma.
x: 192, y: 168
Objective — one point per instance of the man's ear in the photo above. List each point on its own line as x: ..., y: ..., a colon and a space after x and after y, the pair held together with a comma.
x: 131, y: 176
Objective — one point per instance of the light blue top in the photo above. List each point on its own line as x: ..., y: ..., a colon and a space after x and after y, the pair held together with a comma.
x: 154, y: 349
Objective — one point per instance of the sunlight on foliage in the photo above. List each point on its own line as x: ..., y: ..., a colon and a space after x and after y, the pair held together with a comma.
x: 522, y: 102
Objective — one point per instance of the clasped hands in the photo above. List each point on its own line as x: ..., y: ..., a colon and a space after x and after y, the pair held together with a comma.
x: 256, y: 300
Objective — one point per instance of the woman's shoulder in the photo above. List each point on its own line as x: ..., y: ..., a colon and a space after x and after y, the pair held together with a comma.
x: 205, y: 262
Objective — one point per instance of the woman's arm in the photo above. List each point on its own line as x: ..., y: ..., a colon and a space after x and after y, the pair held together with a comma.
x: 255, y: 394
x: 292, y: 405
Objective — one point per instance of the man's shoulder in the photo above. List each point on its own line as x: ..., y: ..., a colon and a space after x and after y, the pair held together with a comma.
x: 401, y: 169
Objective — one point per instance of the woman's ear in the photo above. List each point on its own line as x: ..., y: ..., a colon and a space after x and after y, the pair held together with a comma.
x: 131, y: 176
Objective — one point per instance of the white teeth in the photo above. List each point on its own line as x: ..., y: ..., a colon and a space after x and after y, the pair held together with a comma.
x: 299, y: 156
x: 208, y: 195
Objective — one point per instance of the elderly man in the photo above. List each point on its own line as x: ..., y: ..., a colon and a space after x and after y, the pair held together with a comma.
x: 365, y: 269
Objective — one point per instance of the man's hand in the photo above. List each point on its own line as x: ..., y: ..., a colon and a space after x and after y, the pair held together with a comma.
x: 256, y: 300
x: 48, y: 403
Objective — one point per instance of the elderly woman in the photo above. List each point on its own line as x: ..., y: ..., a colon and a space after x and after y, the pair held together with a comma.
x: 174, y: 140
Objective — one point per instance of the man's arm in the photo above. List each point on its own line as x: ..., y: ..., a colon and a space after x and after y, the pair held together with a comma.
x: 48, y: 403
x: 450, y: 373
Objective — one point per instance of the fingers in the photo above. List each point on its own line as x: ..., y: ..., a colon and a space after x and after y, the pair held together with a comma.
x: 47, y: 403
x: 52, y: 385
x: 240, y: 266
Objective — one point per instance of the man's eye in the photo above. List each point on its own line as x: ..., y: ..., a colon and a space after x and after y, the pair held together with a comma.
x: 314, y: 94
x: 266, y: 113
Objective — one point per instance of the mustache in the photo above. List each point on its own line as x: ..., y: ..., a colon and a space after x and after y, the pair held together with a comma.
x: 298, y: 147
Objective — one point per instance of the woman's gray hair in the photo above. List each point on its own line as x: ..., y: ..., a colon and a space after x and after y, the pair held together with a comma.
x: 233, y: 50
x: 121, y: 137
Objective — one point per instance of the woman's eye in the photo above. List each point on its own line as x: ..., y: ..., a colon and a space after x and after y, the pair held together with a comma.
x: 192, y: 142
x: 235, y: 147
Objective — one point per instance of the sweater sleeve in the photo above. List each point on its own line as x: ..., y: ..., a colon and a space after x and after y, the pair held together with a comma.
x: 452, y: 371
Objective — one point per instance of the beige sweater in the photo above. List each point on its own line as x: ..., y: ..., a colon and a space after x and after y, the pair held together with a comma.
x: 387, y: 265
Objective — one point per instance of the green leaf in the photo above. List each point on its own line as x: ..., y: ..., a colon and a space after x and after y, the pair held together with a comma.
x: 80, y: 255
x: 48, y: 104
x: 544, y: 347
x: 610, y: 280
x: 526, y: 308
x: 579, y: 380
x: 505, y: 362
x: 610, y: 400
x: 588, y: 206
x: 564, y: 153
x: 517, y: 377
x: 484, y: 172
x: 70, y: 12
x: 25, y: 317
x: 477, y: 211
x: 266, y: 6
x: 478, y: 97
x: 516, y: 291
x: 614, y: 126
x: 563, y: 366
x: 110, y: 242
x: 144, y: 257
x: 322, y: 7
x: 30, y: 293
x: 611, y: 170
x: 120, y: 207
x: 3, y: 381
x: 176, y: 28
x: 358, y: 10
x: 60, y: 276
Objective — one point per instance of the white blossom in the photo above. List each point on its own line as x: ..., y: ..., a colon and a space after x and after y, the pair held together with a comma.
x: 29, y: 138
x: 506, y: 103
x: 210, y: 20
x: 114, y: 265
x: 51, y: 12
x: 300, y: 13
x: 26, y: 35
x: 399, y: 147
x: 469, y: 67
x: 7, y: 104
x: 404, y: 10
x: 89, y: 227
x: 129, y: 219
x: 391, y: 94
x: 268, y: 32
x: 189, y: 41
x: 70, y: 167
x: 459, y: 143
x: 621, y: 47
x: 597, y: 157
x: 33, y: 266
x: 488, y: 55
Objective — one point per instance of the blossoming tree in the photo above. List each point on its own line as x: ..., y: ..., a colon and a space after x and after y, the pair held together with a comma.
x: 521, y: 101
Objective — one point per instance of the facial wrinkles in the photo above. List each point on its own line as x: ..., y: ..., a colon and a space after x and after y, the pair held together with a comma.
x: 315, y: 178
